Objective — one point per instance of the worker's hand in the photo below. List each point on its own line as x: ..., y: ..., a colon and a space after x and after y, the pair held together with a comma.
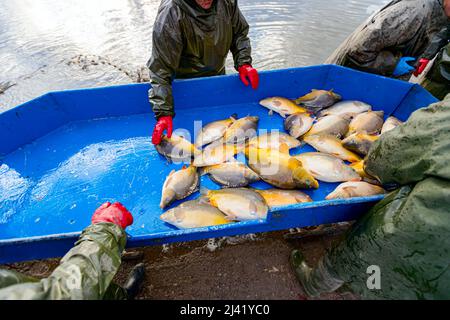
x: 115, y: 213
x: 403, y: 67
x: 163, y: 123
x: 422, y: 65
x: 246, y: 71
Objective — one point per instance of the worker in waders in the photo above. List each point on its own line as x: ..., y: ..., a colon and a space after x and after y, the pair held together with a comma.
x: 391, y: 40
x: 400, y: 248
x: 192, y: 38
x: 87, y: 270
x: 437, y: 80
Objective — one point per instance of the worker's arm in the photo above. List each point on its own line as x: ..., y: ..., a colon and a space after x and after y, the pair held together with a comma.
x: 240, y: 47
x: 87, y: 270
x: 390, y: 28
x: 166, y: 53
x: 437, y: 43
x: 417, y: 149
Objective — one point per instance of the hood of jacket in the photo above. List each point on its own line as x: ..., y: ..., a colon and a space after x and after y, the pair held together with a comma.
x: 205, y: 19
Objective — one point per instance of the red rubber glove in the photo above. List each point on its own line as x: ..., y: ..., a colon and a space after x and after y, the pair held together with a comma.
x: 115, y: 213
x: 422, y: 65
x: 163, y: 123
x: 247, y: 71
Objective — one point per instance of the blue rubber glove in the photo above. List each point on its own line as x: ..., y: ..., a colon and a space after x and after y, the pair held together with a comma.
x: 403, y: 67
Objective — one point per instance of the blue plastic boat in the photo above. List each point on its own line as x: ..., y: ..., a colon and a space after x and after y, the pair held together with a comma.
x: 65, y: 153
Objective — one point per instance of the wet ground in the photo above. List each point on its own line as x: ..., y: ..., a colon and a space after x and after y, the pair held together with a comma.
x: 251, y: 267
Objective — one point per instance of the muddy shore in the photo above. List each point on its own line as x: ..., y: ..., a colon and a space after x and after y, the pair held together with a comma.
x: 250, y: 267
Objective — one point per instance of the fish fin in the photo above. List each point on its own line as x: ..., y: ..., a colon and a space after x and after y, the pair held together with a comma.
x: 183, y: 167
x: 283, y: 115
x: 284, y: 148
x: 270, y: 112
x: 230, y: 217
x: 171, y: 172
x: 234, y: 117
x: 314, y: 90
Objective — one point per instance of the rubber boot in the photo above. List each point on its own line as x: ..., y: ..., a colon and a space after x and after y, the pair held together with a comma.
x: 135, y: 281
x: 314, y: 281
x: 301, y: 269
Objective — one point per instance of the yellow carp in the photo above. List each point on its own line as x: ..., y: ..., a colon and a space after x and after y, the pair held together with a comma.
x: 332, y: 125
x: 369, y: 122
x: 298, y: 124
x: 214, y: 131
x: 176, y: 148
x: 216, y: 153
x: 279, y: 169
x: 355, y: 189
x: 277, y: 197
x: 194, y: 214
x: 317, y: 100
x: 359, y: 142
x: 232, y: 174
x: 273, y: 140
x: 390, y: 123
x: 327, y: 168
x: 331, y: 145
x: 241, y: 130
x: 179, y: 185
x: 238, y: 204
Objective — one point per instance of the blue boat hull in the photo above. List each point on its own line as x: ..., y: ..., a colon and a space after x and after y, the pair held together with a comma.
x: 65, y: 153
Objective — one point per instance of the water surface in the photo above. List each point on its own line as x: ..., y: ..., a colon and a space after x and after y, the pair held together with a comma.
x: 108, y: 41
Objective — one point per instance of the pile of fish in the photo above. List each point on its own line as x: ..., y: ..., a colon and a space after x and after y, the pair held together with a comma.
x: 341, y: 132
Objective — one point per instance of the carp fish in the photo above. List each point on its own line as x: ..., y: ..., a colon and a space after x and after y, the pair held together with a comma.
x: 279, y: 169
x: 390, y: 123
x: 346, y: 109
x: 176, y: 149
x: 179, y: 185
x: 241, y: 130
x: 238, y: 204
x: 284, y: 107
x: 216, y: 153
x: 359, y: 168
x: 277, y: 197
x: 213, y: 131
x: 273, y: 140
x: 194, y: 214
x: 327, y: 168
x: 331, y: 125
x: 359, y: 142
x: 317, y: 100
x: 298, y: 124
x: 369, y: 122
x: 355, y: 189
x: 331, y: 145
x: 232, y: 174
